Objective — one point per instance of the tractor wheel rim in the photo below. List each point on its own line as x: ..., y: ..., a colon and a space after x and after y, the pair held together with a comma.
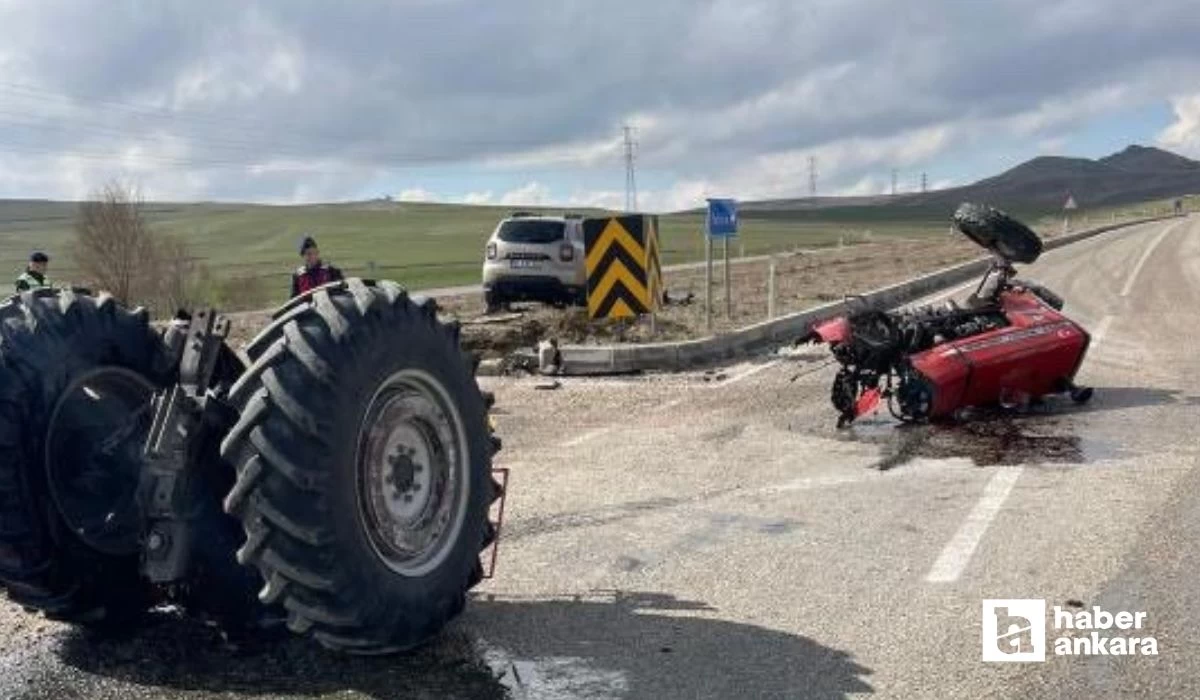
x: 93, y: 456
x: 412, y: 473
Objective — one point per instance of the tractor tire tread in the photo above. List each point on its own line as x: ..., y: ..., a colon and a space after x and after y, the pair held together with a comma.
x: 283, y: 495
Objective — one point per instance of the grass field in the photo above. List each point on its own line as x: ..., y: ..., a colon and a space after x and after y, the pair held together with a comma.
x: 431, y: 245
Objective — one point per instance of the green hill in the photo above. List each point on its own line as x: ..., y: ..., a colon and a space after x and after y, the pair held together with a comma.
x: 432, y: 245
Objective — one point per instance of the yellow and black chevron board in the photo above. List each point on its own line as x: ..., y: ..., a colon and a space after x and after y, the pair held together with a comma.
x: 624, y: 277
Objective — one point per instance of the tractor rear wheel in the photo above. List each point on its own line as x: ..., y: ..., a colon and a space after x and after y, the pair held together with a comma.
x: 363, y: 456
x: 76, y: 376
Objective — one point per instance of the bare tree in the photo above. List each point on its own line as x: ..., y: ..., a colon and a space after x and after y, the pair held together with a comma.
x: 180, y: 280
x: 118, y: 251
x: 113, y: 244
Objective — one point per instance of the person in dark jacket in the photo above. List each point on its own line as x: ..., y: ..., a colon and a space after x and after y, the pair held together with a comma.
x: 313, y: 273
x: 34, y: 276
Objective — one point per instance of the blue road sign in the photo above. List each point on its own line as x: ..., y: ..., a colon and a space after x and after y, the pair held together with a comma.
x: 722, y: 218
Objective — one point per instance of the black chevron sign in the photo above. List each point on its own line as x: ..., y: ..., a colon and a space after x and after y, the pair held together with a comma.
x: 624, y: 276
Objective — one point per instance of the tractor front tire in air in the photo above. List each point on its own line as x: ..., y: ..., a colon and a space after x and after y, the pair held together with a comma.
x: 998, y: 232
x: 364, y: 467
x: 76, y: 376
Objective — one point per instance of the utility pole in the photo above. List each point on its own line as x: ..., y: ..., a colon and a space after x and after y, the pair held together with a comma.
x: 630, y: 178
x: 895, y: 173
x: 924, y: 183
x: 812, y: 176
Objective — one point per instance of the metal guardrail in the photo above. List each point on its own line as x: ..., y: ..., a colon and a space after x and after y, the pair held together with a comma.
x: 675, y: 356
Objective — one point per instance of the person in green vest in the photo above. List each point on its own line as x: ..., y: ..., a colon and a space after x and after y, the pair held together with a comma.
x: 34, y: 276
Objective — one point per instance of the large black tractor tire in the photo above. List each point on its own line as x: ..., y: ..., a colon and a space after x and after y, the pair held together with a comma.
x: 55, y: 555
x: 361, y: 425
x: 998, y: 232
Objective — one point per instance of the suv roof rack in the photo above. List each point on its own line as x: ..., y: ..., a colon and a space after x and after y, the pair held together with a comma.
x: 521, y: 215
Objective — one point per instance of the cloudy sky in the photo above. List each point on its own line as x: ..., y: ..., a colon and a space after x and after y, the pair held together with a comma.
x: 523, y: 101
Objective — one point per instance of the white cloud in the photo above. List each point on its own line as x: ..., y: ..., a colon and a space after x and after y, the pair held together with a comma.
x: 531, y: 194
x: 478, y: 197
x: 1184, y: 133
x: 1068, y: 110
x: 256, y: 58
x: 867, y: 186
x: 279, y: 101
x: 417, y: 194
x: 1051, y: 146
x: 597, y: 199
x: 572, y: 154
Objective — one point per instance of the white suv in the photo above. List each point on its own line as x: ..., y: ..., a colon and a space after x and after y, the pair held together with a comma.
x: 532, y: 257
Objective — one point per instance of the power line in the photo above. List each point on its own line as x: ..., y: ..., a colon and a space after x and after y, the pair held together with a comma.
x: 895, y: 173
x: 218, y: 151
x: 924, y: 182
x: 630, y: 177
x: 322, y: 163
x: 109, y: 118
x: 247, y: 129
x: 812, y: 176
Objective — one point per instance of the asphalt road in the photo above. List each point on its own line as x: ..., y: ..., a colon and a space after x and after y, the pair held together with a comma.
x: 712, y: 535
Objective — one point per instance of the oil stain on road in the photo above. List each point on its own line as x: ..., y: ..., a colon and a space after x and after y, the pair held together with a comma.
x: 987, y: 441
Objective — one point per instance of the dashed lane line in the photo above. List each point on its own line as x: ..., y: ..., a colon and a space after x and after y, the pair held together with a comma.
x: 959, y: 550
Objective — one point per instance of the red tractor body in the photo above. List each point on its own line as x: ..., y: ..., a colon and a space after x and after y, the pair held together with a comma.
x: 1033, y: 356
x: 1008, y: 345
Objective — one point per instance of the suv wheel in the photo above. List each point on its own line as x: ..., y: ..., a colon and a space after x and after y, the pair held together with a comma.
x: 492, y: 301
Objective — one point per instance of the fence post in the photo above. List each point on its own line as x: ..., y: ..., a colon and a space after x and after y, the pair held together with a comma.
x: 708, y: 282
x: 771, y: 288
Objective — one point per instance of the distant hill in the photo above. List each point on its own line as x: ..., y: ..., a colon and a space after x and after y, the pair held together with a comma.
x: 1136, y: 174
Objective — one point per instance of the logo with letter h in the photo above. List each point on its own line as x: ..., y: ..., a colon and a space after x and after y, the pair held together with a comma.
x: 1014, y: 630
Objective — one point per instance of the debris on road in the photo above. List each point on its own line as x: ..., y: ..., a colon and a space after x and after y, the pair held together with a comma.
x: 494, y: 319
x: 549, y: 357
x: 678, y: 301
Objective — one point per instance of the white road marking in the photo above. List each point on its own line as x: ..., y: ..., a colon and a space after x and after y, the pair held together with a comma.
x: 588, y: 435
x: 958, y: 551
x: 1100, y: 332
x: 748, y: 373
x: 920, y: 467
x: 810, y: 483
x: 1146, y: 256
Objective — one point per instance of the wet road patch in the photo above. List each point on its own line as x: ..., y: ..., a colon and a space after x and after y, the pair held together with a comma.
x: 987, y: 441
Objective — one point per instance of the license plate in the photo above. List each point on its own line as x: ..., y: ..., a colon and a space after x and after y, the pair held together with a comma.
x: 525, y: 264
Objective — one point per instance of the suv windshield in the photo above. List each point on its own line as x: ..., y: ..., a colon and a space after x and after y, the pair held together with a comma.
x: 531, y: 231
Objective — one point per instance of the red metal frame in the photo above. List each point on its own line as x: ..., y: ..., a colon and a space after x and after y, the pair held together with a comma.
x: 502, y: 474
x: 1033, y: 355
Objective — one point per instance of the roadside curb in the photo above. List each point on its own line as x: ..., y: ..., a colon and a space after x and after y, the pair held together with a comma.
x: 581, y: 360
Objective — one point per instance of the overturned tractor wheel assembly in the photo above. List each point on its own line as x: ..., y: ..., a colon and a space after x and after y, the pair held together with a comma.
x: 340, y: 475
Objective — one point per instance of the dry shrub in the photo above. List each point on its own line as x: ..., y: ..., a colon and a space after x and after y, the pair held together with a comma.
x: 117, y: 251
